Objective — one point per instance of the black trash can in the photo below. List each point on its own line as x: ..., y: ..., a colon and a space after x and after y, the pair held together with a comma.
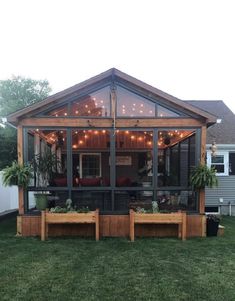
x: 212, y: 225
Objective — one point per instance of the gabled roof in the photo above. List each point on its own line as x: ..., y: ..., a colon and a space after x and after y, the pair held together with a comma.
x: 224, y: 132
x: 114, y: 75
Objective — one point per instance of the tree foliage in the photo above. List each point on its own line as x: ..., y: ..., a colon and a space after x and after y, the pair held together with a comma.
x: 19, y: 92
x: 15, y: 94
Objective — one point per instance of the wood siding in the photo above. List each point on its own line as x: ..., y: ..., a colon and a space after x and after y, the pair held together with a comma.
x: 111, y: 226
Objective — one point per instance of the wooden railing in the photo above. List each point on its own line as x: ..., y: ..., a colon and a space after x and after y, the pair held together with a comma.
x: 178, y: 218
x: 47, y: 218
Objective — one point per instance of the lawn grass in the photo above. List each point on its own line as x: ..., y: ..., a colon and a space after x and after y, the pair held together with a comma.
x: 116, y: 269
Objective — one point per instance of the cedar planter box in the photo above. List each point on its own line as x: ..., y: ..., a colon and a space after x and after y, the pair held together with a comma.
x: 158, y: 218
x: 47, y: 218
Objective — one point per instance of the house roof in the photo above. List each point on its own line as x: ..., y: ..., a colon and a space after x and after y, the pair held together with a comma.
x: 116, y: 76
x: 221, y: 133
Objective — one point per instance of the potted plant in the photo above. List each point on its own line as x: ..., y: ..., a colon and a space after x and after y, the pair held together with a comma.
x: 45, y: 166
x: 17, y: 174
x: 203, y: 176
x: 212, y: 224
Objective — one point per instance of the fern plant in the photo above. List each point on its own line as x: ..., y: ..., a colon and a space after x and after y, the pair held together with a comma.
x: 17, y: 174
x: 203, y: 176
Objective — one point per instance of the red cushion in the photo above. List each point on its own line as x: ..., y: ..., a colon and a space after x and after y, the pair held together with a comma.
x: 123, y: 181
x: 60, y: 181
x: 90, y: 182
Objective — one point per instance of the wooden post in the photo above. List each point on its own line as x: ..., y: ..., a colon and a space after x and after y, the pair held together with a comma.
x: 132, y: 225
x: 203, y: 226
x: 180, y: 226
x: 202, y: 161
x: 43, y: 225
x: 20, y: 160
x: 19, y: 226
x: 97, y: 225
x: 184, y: 225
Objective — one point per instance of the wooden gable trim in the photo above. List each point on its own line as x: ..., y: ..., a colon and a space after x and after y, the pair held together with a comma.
x: 113, y: 75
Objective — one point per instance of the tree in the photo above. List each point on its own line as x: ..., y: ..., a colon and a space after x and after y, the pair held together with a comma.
x: 19, y: 92
x: 15, y: 94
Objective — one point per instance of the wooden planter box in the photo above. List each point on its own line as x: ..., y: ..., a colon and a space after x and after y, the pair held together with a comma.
x: 47, y: 218
x: 158, y: 218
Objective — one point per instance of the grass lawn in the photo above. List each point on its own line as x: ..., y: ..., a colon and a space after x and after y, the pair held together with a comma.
x: 115, y: 269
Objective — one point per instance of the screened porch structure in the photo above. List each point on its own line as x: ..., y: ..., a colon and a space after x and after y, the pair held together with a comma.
x: 120, y: 144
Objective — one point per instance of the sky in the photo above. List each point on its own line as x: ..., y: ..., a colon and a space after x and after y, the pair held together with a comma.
x: 185, y: 48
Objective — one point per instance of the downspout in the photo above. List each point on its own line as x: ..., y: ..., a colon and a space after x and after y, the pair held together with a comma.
x: 230, y: 208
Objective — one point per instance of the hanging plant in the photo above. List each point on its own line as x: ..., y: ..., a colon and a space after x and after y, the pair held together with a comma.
x: 17, y: 174
x: 203, y: 176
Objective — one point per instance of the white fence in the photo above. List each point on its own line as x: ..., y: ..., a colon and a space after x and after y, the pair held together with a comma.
x: 8, y: 197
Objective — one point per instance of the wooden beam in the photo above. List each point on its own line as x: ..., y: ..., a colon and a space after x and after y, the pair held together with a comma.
x: 157, y: 122
x: 66, y: 122
x: 203, y: 144
x: 20, y: 144
x: 202, y: 161
x: 120, y: 122
x: 20, y: 160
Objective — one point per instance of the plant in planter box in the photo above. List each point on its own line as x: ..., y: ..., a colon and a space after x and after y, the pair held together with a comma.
x: 17, y: 174
x: 212, y: 224
x: 45, y: 165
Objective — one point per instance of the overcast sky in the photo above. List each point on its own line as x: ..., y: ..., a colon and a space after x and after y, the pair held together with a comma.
x: 185, y: 48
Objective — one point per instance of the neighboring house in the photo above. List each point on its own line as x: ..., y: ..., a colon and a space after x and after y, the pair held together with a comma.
x: 222, y: 198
